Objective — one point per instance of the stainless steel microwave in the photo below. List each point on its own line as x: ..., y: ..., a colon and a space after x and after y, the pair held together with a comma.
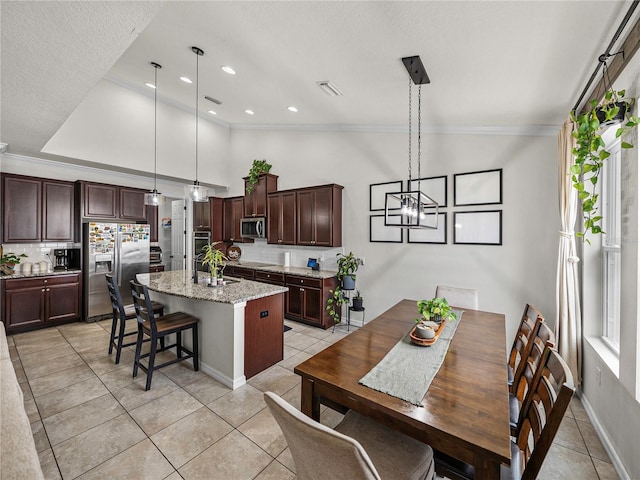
x: 255, y: 227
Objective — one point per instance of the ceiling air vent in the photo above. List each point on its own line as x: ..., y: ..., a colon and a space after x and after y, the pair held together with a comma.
x: 329, y: 88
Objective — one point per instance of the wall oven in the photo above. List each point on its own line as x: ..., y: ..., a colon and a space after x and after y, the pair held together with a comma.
x: 200, y: 240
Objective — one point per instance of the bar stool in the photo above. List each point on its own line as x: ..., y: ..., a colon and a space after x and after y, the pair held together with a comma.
x: 158, y: 328
x: 122, y: 313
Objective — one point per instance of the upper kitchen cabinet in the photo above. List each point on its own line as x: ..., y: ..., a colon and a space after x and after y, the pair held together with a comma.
x: 37, y: 209
x: 201, y: 216
x: 152, y: 220
x: 233, y: 212
x: 281, y: 217
x: 255, y: 203
x: 111, y: 202
x: 319, y: 215
x: 216, y: 218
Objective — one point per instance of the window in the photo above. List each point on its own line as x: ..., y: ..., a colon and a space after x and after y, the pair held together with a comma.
x: 611, y: 210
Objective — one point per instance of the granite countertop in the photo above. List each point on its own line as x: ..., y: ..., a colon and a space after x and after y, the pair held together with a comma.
x: 301, y: 271
x: 38, y: 274
x: 180, y: 283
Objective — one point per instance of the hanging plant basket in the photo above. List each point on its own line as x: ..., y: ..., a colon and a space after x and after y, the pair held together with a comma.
x: 602, y: 114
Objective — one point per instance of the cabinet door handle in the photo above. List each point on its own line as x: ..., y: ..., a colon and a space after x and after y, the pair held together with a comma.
x: 48, y: 289
x: 302, y: 289
x: 45, y: 281
x: 43, y: 289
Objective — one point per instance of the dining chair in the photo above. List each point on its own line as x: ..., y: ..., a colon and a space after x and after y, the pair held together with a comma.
x: 157, y: 328
x: 122, y: 313
x: 359, y: 448
x: 459, y: 297
x: 543, y: 412
x: 521, y: 346
x: 525, y: 374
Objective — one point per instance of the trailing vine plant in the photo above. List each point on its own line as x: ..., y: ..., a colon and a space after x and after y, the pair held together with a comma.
x: 257, y: 168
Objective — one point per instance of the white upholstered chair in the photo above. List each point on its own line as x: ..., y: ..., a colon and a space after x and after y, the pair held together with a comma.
x: 359, y: 447
x: 458, y: 297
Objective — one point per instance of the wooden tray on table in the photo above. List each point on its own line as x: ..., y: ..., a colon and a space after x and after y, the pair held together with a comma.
x: 426, y: 342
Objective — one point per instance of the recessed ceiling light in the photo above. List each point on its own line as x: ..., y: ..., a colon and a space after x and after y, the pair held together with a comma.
x: 228, y: 69
x: 186, y: 79
x: 212, y: 112
x: 329, y: 88
x: 292, y: 109
x: 150, y: 85
x: 249, y: 112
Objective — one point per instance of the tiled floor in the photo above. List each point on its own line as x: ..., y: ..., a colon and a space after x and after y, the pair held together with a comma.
x: 92, y: 420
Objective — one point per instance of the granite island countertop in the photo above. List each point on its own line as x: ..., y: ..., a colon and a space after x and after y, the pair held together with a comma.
x: 180, y: 283
x: 300, y: 271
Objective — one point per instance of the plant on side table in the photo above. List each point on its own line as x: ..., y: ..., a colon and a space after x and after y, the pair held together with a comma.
x: 8, y: 261
x: 590, y: 151
x: 216, y: 261
x: 258, y: 168
x: 347, y: 267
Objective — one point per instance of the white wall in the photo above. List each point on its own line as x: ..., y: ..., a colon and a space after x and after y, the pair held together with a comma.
x: 521, y: 270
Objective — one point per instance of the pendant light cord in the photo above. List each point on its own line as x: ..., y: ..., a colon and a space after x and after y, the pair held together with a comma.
x: 197, y: 81
x: 155, y: 130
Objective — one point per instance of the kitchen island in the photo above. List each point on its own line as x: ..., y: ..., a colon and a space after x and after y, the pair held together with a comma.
x: 241, y: 324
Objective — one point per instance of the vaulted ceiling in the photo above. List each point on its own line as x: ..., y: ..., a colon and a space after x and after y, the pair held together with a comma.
x: 493, y: 65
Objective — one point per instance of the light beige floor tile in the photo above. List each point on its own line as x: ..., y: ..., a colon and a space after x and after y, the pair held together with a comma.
x: 276, y: 471
x: 135, y: 395
x: 46, y: 354
x: 330, y: 417
x: 578, y: 410
x: 13, y: 353
x: 143, y: 461
x: 290, y: 352
x: 320, y: 333
x: 174, y: 476
x: 54, y: 365
x: 48, y: 465
x: 60, y: 379
x: 20, y: 375
x: 83, y: 452
x: 190, y: 436
x: 42, y: 344
x: 275, y: 379
x: 286, y: 459
x: 299, y: 341
x: 76, y: 394
x: 78, y: 419
x: 162, y: 412
x: 183, y: 373
x: 569, y: 436
x: 100, y: 362
x: 338, y: 335
x: 40, y: 436
x: 32, y: 409
x: 118, y: 378
x: 38, y: 337
x: 71, y: 330
x: 562, y: 463
x: 90, y: 343
x: 10, y: 341
x: 605, y: 470
x: 291, y: 362
x: 233, y: 457
x: 317, y: 347
x: 293, y: 396
x: 263, y: 430
x: 594, y: 445
x: 237, y: 406
x: 206, y: 389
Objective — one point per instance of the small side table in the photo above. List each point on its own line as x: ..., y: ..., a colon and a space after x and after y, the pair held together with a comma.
x: 352, y: 309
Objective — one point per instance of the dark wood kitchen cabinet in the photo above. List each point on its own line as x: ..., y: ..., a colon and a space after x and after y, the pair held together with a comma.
x: 233, y: 213
x: 38, y: 302
x: 263, y: 339
x: 37, y: 209
x: 281, y: 217
x: 255, y: 203
x: 201, y: 216
x: 111, y: 202
x: 152, y: 220
x: 307, y: 298
x: 319, y: 216
x: 216, y: 218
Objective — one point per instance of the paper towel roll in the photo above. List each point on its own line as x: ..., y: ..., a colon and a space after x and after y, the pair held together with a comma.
x: 287, y: 259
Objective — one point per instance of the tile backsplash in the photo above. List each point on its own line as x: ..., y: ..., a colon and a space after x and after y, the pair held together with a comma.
x: 36, y: 252
x: 261, y: 251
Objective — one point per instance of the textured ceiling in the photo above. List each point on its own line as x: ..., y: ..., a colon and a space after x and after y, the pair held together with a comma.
x: 492, y: 64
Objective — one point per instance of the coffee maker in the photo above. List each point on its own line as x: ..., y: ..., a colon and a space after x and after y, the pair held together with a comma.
x: 66, y: 259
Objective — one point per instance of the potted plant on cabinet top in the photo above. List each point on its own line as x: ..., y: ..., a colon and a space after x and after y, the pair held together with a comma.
x: 590, y: 151
x: 216, y: 261
x: 8, y: 261
x: 257, y: 168
x: 435, y: 310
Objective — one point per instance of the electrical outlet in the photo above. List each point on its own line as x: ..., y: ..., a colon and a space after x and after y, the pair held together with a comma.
x: 599, y: 376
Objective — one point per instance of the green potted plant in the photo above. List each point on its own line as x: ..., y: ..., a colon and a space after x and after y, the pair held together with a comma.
x: 590, y: 153
x: 436, y: 310
x: 9, y: 260
x: 216, y: 261
x: 357, y: 301
x: 335, y: 302
x: 257, y: 168
x: 347, y: 268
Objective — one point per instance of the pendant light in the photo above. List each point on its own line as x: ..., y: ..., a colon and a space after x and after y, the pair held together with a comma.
x: 154, y: 197
x: 412, y: 208
x: 197, y: 192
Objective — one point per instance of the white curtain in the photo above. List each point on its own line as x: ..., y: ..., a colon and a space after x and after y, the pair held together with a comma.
x: 568, y: 317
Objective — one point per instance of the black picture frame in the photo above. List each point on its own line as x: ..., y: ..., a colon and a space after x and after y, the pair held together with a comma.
x: 430, y: 236
x: 483, y: 187
x: 434, y: 187
x: 482, y: 227
x: 380, y: 233
x: 378, y: 193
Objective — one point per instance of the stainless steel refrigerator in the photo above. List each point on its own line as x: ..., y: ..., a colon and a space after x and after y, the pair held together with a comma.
x: 121, y: 249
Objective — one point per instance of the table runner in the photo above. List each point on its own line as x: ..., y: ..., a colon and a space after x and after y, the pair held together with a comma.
x: 407, y: 370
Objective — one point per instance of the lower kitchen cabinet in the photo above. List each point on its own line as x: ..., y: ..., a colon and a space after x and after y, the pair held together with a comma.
x: 263, y: 339
x: 38, y: 302
x: 239, y: 272
x: 307, y: 298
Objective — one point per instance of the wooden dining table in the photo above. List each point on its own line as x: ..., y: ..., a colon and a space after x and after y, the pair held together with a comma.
x: 465, y: 411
